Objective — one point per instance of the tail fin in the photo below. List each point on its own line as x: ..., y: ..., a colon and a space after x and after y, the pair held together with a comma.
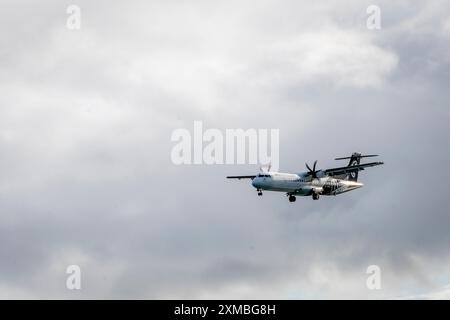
x: 355, y: 159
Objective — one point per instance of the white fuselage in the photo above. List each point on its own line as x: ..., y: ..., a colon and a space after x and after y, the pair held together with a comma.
x: 302, y: 184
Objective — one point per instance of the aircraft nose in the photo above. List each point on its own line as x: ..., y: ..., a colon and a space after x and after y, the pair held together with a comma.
x: 256, y: 183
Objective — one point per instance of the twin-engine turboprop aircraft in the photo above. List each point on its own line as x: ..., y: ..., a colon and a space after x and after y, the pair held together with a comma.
x: 314, y: 182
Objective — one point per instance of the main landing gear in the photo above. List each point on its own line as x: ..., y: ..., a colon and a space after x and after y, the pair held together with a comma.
x: 292, y: 198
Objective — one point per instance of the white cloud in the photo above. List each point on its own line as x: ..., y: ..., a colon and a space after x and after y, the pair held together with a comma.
x: 340, y: 57
x: 438, y: 294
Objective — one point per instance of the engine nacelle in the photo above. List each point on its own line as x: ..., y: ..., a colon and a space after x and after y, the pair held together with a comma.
x: 317, y: 190
x: 320, y: 174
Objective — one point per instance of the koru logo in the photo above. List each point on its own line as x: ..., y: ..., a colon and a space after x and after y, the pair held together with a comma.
x: 353, y: 173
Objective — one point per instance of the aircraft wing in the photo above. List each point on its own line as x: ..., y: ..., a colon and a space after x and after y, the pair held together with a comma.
x: 241, y: 177
x: 348, y: 169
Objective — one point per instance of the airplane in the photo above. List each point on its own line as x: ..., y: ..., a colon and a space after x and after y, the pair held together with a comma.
x: 314, y: 182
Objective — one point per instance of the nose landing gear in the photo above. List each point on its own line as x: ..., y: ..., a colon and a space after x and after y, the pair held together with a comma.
x: 259, y: 192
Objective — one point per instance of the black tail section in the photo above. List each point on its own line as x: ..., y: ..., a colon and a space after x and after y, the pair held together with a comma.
x: 355, y: 159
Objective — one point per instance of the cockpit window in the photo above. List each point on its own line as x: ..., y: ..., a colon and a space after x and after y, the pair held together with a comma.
x: 264, y: 175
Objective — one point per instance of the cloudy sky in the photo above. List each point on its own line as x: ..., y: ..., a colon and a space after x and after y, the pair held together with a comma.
x: 86, y: 177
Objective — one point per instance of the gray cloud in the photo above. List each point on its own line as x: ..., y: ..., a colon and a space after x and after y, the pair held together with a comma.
x: 85, y: 171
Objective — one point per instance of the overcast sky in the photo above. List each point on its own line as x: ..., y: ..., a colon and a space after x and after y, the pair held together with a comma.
x: 86, y: 177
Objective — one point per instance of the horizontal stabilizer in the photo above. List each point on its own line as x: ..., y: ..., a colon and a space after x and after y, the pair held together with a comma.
x: 357, y: 156
x: 349, y: 169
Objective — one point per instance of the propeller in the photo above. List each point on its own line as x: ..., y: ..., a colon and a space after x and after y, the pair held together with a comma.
x: 312, y: 171
x: 262, y: 169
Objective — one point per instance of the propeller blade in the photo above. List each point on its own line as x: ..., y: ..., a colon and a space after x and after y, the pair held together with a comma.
x: 314, y: 166
x: 310, y: 170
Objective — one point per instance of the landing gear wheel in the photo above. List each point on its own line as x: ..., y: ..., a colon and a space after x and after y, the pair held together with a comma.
x: 292, y: 198
x: 259, y: 193
x: 315, y: 196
